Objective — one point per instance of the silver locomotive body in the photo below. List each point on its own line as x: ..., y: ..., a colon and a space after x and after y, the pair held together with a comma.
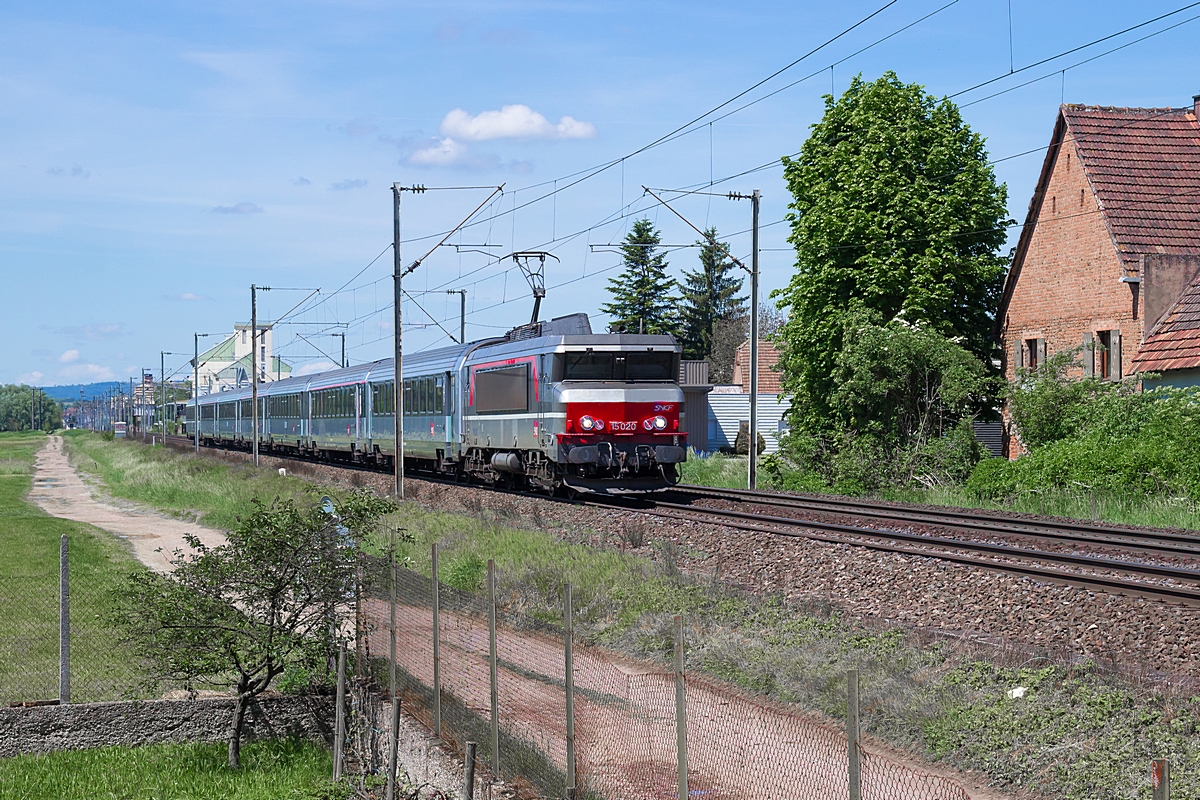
x: 549, y: 405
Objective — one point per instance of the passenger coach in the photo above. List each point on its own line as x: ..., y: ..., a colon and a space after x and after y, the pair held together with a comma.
x: 549, y: 405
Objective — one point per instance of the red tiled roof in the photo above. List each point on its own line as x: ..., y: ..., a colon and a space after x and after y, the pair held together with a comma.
x: 1144, y: 165
x: 1175, y: 341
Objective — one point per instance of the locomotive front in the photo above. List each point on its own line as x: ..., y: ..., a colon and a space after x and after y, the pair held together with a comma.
x: 621, y: 414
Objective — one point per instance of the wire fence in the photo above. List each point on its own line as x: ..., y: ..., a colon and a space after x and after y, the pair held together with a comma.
x: 56, y: 640
x: 612, y: 727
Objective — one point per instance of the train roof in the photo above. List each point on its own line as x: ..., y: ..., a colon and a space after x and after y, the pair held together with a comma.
x: 564, y: 333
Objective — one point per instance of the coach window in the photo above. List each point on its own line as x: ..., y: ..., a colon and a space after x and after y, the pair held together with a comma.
x: 439, y: 396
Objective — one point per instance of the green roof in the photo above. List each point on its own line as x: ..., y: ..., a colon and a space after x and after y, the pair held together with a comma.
x: 222, y: 352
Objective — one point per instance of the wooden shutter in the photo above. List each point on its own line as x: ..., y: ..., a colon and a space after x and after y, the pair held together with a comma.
x: 1041, y: 352
x: 1114, y: 360
x: 1018, y: 357
x: 1089, y: 355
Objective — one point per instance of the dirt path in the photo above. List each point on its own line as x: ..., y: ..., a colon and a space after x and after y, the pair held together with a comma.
x: 60, y: 491
x: 737, y: 747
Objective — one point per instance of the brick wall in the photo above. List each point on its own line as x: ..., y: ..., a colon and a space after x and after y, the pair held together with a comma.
x: 1069, y: 284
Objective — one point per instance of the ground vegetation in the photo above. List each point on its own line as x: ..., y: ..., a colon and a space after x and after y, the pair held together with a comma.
x: 242, y: 612
x: 271, y: 770
x: 1077, y: 731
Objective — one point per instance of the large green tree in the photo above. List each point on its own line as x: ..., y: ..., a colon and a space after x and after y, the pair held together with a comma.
x: 643, y: 299
x: 710, y: 293
x: 24, y: 408
x: 895, y: 212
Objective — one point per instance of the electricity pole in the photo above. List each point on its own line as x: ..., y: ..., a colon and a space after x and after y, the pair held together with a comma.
x: 462, y: 313
x: 343, y: 338
x: 398, y: 403
x: 196, y: 386
x: 254, y: 365
x: 754, y: 198
x: 398, y: 273
x: 752, y: 477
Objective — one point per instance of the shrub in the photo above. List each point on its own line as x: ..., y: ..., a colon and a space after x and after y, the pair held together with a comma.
x: 466, y: 572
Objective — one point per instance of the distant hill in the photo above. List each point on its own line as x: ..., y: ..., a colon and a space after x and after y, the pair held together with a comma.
x: 71, y: 391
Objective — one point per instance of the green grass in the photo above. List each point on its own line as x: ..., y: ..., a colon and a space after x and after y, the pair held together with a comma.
x: 271, y: 770
x: 715, y: 470
x: 1125, y: 509
x: 181, y: 484
x: 29, y: 571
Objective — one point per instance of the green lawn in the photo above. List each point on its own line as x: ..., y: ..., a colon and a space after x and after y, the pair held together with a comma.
x: 29, y: 542
x: 271, y: 770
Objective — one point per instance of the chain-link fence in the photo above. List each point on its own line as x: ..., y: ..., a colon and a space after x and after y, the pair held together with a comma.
x: 56, y: 642
x: 613, y: 727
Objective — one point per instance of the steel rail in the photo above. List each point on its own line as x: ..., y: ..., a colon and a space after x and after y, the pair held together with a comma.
x: 806, y: 529
x: 879, y: 540
x: 982, y: 522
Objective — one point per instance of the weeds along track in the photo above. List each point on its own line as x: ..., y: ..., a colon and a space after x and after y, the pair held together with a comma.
x: 1156, y: 564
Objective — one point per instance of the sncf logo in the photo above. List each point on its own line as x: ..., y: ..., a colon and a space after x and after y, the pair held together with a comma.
x: 623, y: 426
x: 663, y: 406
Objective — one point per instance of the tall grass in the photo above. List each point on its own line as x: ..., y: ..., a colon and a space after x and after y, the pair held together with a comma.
x: 29, y: 583
x: 1119, y: 508
x: 716, y: 470
x: 270, y: 770
x: 181, y: 484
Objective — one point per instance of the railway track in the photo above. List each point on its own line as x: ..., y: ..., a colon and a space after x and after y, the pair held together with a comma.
x: 1171, y: 584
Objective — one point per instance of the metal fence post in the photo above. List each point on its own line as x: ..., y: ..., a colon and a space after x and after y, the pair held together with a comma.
x: 491, y: 581
x: 393, y: 748
x: 339, y: 728
x: 437, y: 652
x: 680, y: 712
x: 469, y: 773
x: 64, y: 623
x: 569, y: 683
x: 853, y: 736
x: 1160, y: 779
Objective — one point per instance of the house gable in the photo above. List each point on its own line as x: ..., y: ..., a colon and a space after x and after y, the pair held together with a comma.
x: 1065, y: 281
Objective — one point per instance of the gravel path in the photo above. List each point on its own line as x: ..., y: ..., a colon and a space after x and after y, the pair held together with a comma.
x: 61, y: 492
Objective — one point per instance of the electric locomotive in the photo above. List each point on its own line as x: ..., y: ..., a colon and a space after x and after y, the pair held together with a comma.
x: 549, y: 405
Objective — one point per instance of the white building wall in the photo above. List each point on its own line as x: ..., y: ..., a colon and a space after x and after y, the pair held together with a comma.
x: 727, y: 410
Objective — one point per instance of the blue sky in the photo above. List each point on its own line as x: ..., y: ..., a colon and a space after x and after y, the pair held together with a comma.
x: 158, y: 158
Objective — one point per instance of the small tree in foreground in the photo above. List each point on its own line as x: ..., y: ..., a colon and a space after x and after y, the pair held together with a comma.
x: 277, y: 593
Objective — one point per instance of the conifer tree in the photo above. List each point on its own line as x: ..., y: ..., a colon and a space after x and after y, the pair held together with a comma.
x: 709, y: 294
x: 642, y: 295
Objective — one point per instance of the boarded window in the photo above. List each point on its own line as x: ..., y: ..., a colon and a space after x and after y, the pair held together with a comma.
x: 1031, y: 354
x: 1104, y: 356
x: 502, y: 390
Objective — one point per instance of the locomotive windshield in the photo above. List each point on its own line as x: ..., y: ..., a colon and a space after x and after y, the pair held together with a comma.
x: 642, y: 366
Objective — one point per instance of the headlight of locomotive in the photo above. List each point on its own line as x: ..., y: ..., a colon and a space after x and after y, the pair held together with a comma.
x: 660, y: 423
x: 587, y: 423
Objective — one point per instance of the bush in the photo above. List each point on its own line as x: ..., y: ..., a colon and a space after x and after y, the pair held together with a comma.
x: 741, y: 444
x: 1111, y: 438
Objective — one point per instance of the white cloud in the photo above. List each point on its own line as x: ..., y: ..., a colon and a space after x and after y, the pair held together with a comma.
x: 69, y: 357
x: 314, y: 368
x: 512, y: 122
x: 193, y: 296
x: 104, y: 331
x: 302, y: 181
x: 341, y: 186
x: 30, y: 378
x: 238, y: 208
x: 440, y: 154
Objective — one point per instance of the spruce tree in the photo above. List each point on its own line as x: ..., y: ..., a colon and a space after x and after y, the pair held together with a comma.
x: 709, y: 294
x: 642, y: 298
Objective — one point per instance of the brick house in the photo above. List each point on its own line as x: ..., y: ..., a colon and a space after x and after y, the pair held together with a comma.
x: 1110, y: 249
